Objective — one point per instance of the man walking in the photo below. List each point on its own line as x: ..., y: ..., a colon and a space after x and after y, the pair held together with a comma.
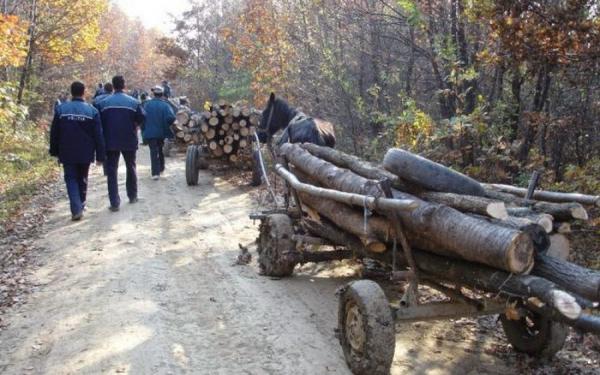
x: 121, y: 115
x: 159, y: 118
x: 166, y: 89
x: 108, y: 90
x: 75, y: 136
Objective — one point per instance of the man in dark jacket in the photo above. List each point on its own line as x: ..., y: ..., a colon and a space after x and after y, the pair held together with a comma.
x: 99, y: 91
x: 159, y: 118
x: 75, y: 137
x: 108, y: 90
x: 121, y: 115
x: 166, y: 89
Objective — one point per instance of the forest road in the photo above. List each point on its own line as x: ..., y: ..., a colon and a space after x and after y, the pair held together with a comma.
x: 152, y: 289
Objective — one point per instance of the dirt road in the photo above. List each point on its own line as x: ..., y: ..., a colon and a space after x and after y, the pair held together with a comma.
x: 152, y: 289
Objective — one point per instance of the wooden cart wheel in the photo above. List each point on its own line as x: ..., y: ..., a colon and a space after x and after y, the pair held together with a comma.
x: 277, y: 255
x: 191, y: 165
x: 535, y: 334
x: 366, y: 328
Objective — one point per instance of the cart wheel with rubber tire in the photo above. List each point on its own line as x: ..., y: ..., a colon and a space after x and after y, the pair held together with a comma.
x: 535, y: 334
x: 191, y: 165
x: 277, y: 254
x: 366, y: 328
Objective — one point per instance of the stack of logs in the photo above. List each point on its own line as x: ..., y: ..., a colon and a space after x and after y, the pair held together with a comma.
x: 487, y: 236
x: 226, y: 129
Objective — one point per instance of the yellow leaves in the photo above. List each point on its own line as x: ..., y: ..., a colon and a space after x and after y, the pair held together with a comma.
x: 69, y: 29
x: 260, y: 44
x: 13, y: 40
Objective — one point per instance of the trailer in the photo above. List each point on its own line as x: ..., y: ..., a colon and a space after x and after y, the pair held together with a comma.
x: 529, y: 316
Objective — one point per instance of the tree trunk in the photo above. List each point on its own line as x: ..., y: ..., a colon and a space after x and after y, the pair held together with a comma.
x: 571, y: 277
x: 451, y: 231
x: 550, y: 196
x: 468, y: 203
x: 464, y: 273
x: 560, y: 211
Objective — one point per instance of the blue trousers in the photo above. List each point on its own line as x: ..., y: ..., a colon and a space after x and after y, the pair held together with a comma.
x: 76, y: 178
x: 112, y: 169
x: 157, y: 158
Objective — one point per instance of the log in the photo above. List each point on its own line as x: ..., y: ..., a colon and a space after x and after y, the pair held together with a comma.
x: 218, y: 152
x: 468, y: 203
x: 225, y: 127
x: 571, y: 277
x: 213, y: 121
x: 546, y: 221
x: 355, y: 164
x: 562, y: 228
x: 550, y: 196
x: 182, y: 117
x: 243, y: 123
x: 465, y: 273
x: 213, y: 145
x: 560, y: 211
x: 228, y: 149
x: 348, y: 220
x: 429, y: 174
x: 210, y: 134
x: 204, y: 128
x: 452, y: 232
x: 371, y: 203
x: 187, y: 137
x: 244, y: 132
x: 243, y: 143
x: 560, y: 247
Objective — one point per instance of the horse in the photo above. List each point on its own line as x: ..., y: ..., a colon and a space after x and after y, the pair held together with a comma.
x: 298, y: 127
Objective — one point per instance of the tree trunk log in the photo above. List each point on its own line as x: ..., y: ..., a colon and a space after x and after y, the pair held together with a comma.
x: 468, y: 203
x: 465, y: 273
x: 550, y: 196
x: 571, y: 277
x: 560, y: 211
x: 448, y: 229
x: 428, y: 174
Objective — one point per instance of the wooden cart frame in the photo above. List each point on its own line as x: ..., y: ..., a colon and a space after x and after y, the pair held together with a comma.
x: 366, y: 319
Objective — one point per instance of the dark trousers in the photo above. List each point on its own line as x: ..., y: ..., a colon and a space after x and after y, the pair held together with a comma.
x: 76, y: 178
x: 111, y: 170
x: 157, y: 157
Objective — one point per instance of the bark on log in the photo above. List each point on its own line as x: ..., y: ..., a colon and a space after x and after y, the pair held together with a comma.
x: 571, y: 277
x: 182, y: 117
x: 468, y: 203
x: 546, y: 221
x: 560, y: 211
x: 350, y: 221
x: 453, y: 232
x: 429, y: 174
x: 355, y: 164
x: 550, y: 196
x: 465, y: 273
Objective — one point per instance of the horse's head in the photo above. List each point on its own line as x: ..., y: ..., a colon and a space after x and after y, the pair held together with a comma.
x: 274, y: 117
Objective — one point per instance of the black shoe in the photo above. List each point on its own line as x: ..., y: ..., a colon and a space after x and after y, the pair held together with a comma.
x: 114, y: 208
x: 77, y: 217
x: 134, y: 200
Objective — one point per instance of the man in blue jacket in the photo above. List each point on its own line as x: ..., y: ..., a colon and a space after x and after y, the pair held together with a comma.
x: 108, y: 90
x: 159, y: 118
x: 75, y: 137
x: 121, y: 115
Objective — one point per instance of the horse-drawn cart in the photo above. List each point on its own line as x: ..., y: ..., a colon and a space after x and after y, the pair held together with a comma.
x: 535, y: 312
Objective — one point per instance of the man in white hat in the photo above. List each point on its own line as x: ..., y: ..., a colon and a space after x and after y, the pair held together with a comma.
x: 159, y: 118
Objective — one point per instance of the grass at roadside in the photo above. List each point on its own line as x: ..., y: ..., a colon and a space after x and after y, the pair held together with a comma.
x: 25, y: 166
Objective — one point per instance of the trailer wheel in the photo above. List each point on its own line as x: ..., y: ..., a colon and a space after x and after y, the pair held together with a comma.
x: 277, y: 254
x: 535, y: 334
x: 191, y: 165
x: 366, y: 328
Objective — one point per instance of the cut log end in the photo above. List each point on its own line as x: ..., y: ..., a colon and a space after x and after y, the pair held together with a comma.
x: 579, y: 212
x: 497, y: 210
x: 520, y: 255
x: 566, y: 304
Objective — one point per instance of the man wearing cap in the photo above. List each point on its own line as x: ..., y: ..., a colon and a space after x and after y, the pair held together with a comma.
x: 159, y: 118
x: 121, y: 116
x: 75, y: 138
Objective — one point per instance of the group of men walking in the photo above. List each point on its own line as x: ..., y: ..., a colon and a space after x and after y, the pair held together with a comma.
x: 82, y: 133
